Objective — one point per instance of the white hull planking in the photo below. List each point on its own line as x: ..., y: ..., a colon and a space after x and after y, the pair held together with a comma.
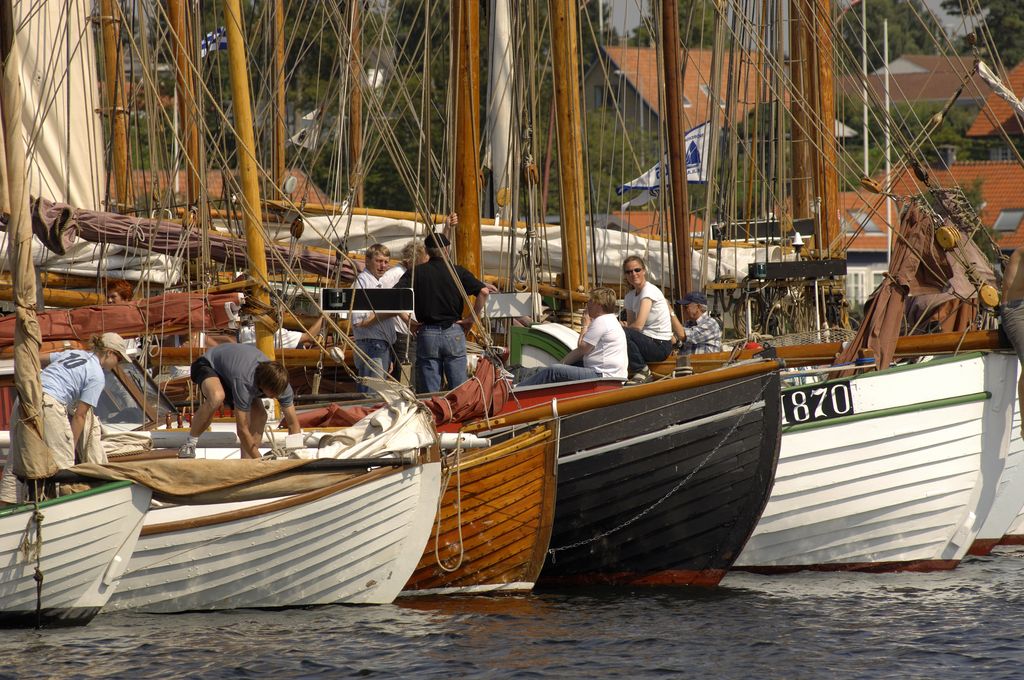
x: 87, y: 540
x: 1015, y: 532
x: 359, y: 545
x: 901, y: 490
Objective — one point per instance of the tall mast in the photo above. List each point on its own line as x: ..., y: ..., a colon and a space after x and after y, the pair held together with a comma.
x: 563, y: 17
x: 113, y: 69
x: 465, y: 28
x: 279, y: 105
x: 184, y: 69
x: 32, y: 460
x: 802, y: 129
x: 355, y: 104
x: 676, y: 144
x: 827, y: 152
x: 246, y: 140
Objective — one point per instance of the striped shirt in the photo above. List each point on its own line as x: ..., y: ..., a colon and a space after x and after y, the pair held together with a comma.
x: 702, y: 336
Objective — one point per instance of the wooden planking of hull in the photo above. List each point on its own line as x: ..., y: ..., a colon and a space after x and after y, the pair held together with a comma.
x: 87, y: 539
x: 1009, y: 493
x: 494, y: 523
x: 356, y: 542
x: 1014, y: 533
x: 665, y: 489
x: 903, y: 481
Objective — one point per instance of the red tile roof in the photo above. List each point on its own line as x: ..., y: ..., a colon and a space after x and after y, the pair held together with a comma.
x: 639, y: 65
x: 996, y: 112
x: 305, y: 189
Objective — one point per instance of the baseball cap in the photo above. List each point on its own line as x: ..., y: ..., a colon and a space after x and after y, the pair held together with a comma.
x: 436, y: 239
x: 694, y: 296
x: 115, y: 343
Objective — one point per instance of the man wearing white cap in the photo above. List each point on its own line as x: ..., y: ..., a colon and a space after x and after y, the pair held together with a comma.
x: 72, y: 384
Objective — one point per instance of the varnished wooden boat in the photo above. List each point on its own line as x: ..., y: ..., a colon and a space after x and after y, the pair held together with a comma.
x: 493, y: 526
x: 661, y: 484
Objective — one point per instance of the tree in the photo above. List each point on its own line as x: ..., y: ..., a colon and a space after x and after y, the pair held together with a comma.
x: 1005, y: 17
x: 912, y: 30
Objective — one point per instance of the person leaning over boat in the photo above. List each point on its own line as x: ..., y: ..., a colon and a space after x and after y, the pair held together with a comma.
x: 648, y: 321
x: 601, y: 351
x: 72, y: 383
x: 1012, y: 314
x: 239, y: 376
x: 440, y: 339
x: 374, y: 333
x: 698, y: 333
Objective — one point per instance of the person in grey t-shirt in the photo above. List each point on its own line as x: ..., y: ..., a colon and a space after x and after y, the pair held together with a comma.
x: 239, y: 376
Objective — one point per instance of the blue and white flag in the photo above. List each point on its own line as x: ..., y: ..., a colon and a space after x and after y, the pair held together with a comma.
x: 697, y: 140
x: 217, y: 40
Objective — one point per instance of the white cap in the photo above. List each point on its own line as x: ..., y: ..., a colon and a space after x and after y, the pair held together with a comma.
x: 115, y: 343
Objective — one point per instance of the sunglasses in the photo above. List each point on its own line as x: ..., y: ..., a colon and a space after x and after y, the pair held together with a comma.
x: 633, y: 271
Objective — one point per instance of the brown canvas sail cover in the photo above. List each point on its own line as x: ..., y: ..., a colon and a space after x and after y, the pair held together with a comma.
x: 485, y: 394
x: 924, y: 284
x: 32, y: 459
x: 57, y: 225
x: 170, y: 313
x: 196, y: 482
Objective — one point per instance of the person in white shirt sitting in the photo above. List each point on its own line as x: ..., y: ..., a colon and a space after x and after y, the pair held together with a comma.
x: 648, y: 320
x: 601, y: 352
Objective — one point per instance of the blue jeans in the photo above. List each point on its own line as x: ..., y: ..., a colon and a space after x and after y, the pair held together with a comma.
x: 378, y: 360
x: 556, y: 373
x: 642, y: 348
x: 440, y: 351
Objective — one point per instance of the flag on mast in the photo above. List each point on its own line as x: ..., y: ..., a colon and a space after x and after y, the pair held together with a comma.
x: 697, y: 140
x: 215, y: 40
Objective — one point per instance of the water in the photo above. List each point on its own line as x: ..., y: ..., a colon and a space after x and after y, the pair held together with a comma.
x: 961, y: 623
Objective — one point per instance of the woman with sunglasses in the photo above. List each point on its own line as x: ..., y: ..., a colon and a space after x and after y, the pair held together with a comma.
x: 648, y: 322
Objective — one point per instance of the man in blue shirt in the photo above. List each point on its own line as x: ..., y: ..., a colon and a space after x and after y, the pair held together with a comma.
x: 699, y: 333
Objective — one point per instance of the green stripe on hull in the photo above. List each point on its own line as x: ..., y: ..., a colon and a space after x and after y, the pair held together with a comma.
x: 27, y: 507
x: 902, y: 368
x: 885, y: 412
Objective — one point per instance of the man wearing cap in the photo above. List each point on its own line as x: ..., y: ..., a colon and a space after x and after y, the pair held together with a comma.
x: 698, y: 333
x: 239, y: 376
x: 72, y: 383
x: 440, y: 340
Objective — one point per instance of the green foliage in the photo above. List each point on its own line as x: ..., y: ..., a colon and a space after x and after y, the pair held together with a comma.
x: 1005, y: 20
x: 912, y: 30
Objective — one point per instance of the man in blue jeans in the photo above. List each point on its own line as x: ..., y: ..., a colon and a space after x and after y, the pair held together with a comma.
x: 374, y: 333
x: 440, y: 340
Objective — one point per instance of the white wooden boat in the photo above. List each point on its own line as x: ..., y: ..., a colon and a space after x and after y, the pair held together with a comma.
x: 87, y: 540
x: 890, y: 470
x: 355, y: 542
x: 1014, y: 534
x: 1006, y: 511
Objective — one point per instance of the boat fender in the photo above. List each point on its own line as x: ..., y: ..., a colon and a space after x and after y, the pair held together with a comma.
x: 462, y: 440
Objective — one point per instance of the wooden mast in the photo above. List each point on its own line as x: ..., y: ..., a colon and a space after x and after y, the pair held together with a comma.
x: 802, y: 127
x: 184, y: 69
x: 113, y: 70
x: 563, y: 17
x: 247, y: 167
x: 827, y: 151
x: 279, y: 105
x: 465, y: 29
x: 31, y: 459
x: 676, y: 114
x: 355, y: 105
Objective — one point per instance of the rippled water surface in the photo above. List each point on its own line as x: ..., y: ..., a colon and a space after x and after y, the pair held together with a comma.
x: 968, y: 622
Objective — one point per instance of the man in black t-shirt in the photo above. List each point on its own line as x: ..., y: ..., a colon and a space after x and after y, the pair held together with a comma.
x: 440, y: 340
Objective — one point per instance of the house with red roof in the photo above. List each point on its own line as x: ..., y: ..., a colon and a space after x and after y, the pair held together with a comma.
x: 917, y: 78
x: 865, y: 221
x: 997, y: 116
